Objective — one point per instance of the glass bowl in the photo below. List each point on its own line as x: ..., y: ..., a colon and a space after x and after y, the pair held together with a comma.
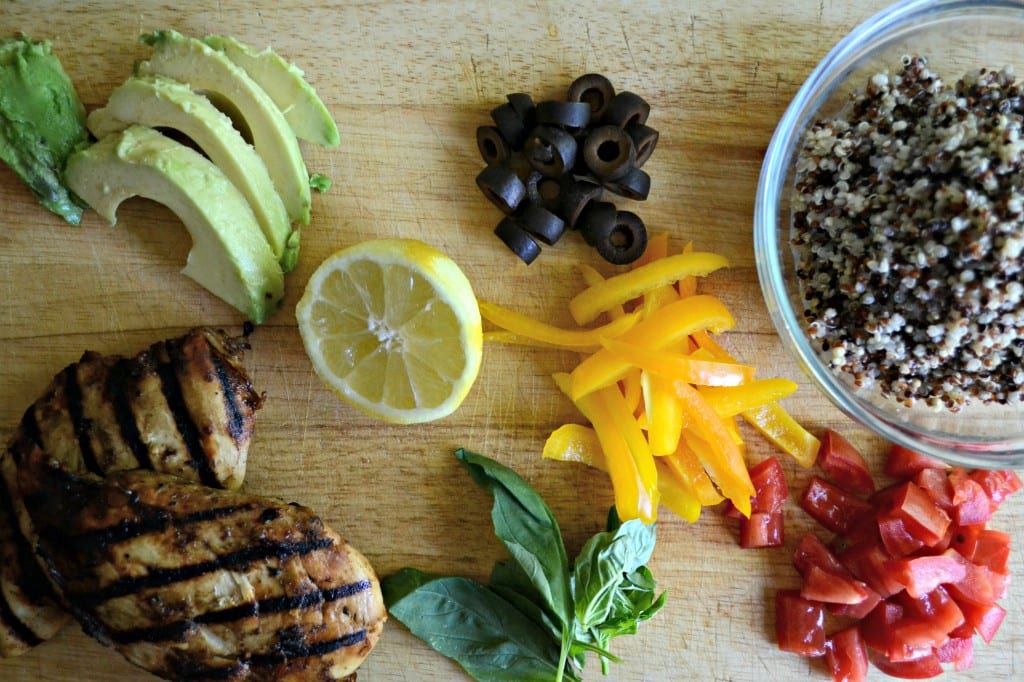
x: 956, y: 36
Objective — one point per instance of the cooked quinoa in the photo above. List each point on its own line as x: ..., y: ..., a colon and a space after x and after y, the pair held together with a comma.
x: 908, y: 217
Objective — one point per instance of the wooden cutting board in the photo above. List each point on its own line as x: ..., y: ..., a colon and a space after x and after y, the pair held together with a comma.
x: 408, y: 82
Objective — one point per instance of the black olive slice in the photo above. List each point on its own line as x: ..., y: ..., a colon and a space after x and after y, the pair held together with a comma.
x: 511, y: 125
x: 551, y: 150
x: 569, y: 115
x: 540, y: 222
x: 544, y: 191
x: 636, y: 184
x: 597, y: 221
x: 501, y: 186
x: 626, y: 108
x: 523, y: 105
x: 608, y: 152
x: 493, y: 147
x: 645, y: 139
x: 625, y: 242
x: 595, y: 90
x: 518, y: 240
x: 576, y: 195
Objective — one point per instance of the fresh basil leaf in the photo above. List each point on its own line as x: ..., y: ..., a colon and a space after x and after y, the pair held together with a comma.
x: 509, y: 581
x: 602, y: 565
x: 525, y: 524
x: 400, y: 583
x: 491, y: 639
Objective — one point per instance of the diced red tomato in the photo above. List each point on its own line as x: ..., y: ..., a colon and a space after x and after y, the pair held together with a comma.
x: 770, y: 486
x: 935, y: 483
x: 917, y: 669
x: 923, y: 574
x: 971, y: 504
x: 813, y: 552
x: 985, y: 620
x: 844, y: 465
x: 957, y: 650
x: 922, y: 518
x: 998, y: 485
x: 896, y: 538
x: 877, y: 626
x: 847, y: 655
x: 832, y: 507
x: 927, y: 620
x: 799, y: 624
x: 856, y: 611
x: 904, y: 463
x: 1000, y: 584
x: 868, y: 562
x: 992, y: 550
x: 831, y: 588
x: 762, y: 529
x: 965, y: 539
x: 976, y: 585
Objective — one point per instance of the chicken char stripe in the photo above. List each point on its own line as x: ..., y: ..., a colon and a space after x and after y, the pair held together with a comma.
x: 236, y: 419
x: 30, y: 581
x: 118, y: 393
x: 73, y: 395
x: 182, y: 418
x: 162, y: 577
x: 177, y: 631
x: 280, y: 658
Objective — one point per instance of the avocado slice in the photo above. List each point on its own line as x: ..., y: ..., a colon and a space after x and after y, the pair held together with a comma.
x: 191, y: 61
x: 229, y: 255
x: 287, y: 86
x: 42, y: 122
x: 164, y: 103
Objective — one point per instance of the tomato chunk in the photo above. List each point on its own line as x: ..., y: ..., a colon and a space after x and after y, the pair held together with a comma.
x: 998, y: 485
x: 992, y: 550
x: 844, y: 465
x: 856, y: 611
x: 971, y: 504
x: 877, y: 626
x: 957, y: 650
x: 917, y: 669
x: 825, y: 586
x: 896, y: 538
x: 923, y: 574
x: 847, y: 655
x: 869, y: 562
x: 935, y: 483
x: 813, y: 552
x: 920, y: 515
x: 832, y: 507
x: 799, y: 624
x: 904, y: 463
x: 927, y: 620
x: 770, y: 489
x: 761, y: 530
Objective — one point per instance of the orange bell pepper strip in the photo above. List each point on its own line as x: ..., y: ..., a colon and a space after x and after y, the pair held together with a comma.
x: 723, y: 458
x: 592, y: 301
x: 729, y: 401
x: 664, y: 414
x: 657, y: 248
x: 680, y: 367
x: 673, y: 323
x: 785, y: 432
x: 577, y: 443
x: 586, y: 340
x: 634, y: 489
x: 686, y: 467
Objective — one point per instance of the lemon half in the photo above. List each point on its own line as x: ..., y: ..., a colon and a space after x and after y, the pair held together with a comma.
x: 392, y: 326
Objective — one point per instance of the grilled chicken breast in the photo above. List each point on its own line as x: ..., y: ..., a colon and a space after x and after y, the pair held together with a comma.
x: 184, y: 406
x: 193, y: 583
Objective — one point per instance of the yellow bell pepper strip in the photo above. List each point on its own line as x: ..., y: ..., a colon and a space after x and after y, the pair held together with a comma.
x: 723, y: 458
x: 632, y: 497
x: 674, y: 495
x: 729, y: 401
x: 687, y: 468
x: 586, y: 340
x: 592, y: 301
x: 679, y: 367
x: 674, y: 322
x: 657, y: 248
x: 502, y: 336
x: 734, y: 431
x: 632, y: 390
x: 624, y: 422
x: 592, y: 277
x: 786, y: 433
x: 704, y: 341
x: 577, y: 443
x: 664, y: 414
x: 687, y: 286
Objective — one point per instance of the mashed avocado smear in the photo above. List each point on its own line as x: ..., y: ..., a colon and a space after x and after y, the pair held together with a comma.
x: 42, y: 122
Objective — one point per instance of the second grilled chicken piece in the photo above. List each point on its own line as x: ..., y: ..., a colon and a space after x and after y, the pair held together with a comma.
x: 184, y: 406
x: 192, y: 583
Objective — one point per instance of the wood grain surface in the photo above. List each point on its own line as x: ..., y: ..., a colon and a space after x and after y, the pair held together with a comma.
x: 408, y: 82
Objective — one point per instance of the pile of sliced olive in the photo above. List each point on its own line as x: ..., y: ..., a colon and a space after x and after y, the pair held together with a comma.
x: 550, y: 163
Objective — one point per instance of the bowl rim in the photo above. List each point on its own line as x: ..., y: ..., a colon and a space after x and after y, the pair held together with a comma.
x: 772, y: 181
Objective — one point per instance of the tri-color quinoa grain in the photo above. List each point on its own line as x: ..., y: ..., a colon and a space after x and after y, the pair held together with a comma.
x: 908, y: 217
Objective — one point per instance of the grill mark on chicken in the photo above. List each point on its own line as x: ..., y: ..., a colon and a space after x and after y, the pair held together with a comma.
x: 183, y: 420
x: 177, y: 630
x: 10, y: 621
x: 290, y: 652
x: 73, y: 394
x: 162, y: 577
x: 236, y: 420
x: 118, y: 389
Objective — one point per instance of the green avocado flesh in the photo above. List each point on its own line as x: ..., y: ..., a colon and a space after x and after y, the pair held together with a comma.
x: 42, y: 122
x: 230, y: 255
x: 164, y: 103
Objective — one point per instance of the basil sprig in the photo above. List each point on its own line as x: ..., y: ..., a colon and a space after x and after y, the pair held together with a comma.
x: 537, y: 617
